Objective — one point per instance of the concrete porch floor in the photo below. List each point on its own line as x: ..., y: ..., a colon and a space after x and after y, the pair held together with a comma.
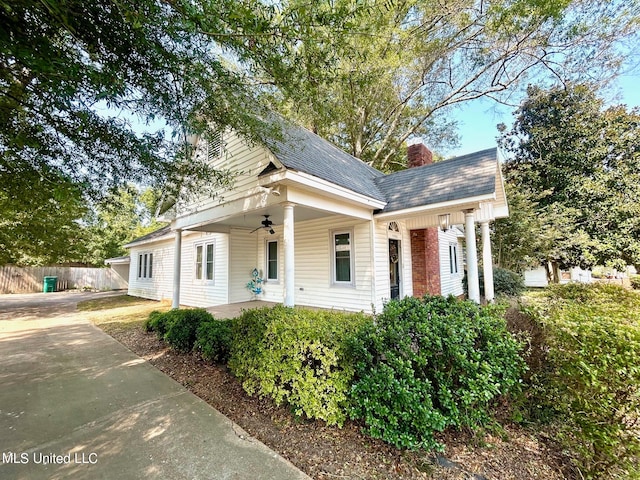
x: 233, y: 310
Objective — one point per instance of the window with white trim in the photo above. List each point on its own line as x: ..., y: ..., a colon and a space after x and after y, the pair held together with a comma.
x: 342, y: 257
x: 453, y: 258
x: 204, y: 261
x: 145, y: 265
x: 272, y: 260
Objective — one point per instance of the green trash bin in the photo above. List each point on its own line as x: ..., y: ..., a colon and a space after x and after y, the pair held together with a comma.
x: 50, y: 284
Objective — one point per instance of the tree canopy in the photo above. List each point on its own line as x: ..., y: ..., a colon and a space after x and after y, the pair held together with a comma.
x: 399, y: 66
x: 77, y: 78
x: 575, y: 166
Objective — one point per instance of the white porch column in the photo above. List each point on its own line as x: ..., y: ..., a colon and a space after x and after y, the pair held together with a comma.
x: 487, y: 262
x: 289, y: 256
x: 473, y: 283
x: 177, y: 263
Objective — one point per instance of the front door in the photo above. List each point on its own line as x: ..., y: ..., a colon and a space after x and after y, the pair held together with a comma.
x: 394, y: 267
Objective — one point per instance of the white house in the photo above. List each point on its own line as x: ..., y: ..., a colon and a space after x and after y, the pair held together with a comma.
x: 323, y: 228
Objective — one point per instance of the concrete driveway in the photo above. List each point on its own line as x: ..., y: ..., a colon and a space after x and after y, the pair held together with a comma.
x: 74, y: 403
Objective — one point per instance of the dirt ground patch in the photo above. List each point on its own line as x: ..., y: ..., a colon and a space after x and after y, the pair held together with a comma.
x: 328, y: 452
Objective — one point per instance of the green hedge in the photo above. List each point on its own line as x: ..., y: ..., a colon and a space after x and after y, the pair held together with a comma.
x: 425, y: 365
x: 213, y: 340
x: 635, y: 282
x: 590, y: 381
x: 178, y: 327
x: 296, y: 356
x: 505, y: 282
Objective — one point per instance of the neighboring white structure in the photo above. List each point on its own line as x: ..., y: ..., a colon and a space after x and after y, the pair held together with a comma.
x: 121, y: 266
x: 537, y: 277
x: 322, y: 228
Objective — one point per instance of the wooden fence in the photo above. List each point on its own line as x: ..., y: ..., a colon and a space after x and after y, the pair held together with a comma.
x: 30, y: 279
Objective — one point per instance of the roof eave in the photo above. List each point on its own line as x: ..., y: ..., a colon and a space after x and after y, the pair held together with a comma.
x: 458, y: 204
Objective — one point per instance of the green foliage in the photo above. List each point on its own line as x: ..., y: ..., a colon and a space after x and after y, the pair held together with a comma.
x: 213, y: 340
x: 157, y: 322
x: 635, y: 282
x: 296, y: 356
x: 425, y: 365
x: 370, y: 75
x: 39, y: 212
x: 178, y: 327
x: 182, y: 327
x: 590, y: 380
x: 505, y: 282
x: 115, y: 221
x: 577, y: 166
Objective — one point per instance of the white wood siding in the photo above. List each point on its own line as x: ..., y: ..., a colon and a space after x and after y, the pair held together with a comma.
x: 450, y: 284
x: 202, y: 293
x: 159, y: 287
x: 237, y: 156
x: 273, y: 290
x: 243, y: 257
x: 313, y: 285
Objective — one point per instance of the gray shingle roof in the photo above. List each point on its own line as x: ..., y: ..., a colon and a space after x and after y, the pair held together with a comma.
x: 454, y: 179
x: 156, y: 234
x: 302, y: 150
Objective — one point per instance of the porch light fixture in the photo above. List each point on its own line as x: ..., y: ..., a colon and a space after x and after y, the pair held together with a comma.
x: 443, y: 221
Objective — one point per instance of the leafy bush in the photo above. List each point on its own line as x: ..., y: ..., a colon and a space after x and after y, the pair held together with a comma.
x: 177, y: 327
x: 591, y: 379
x: 635, y: 282
x: 157, y: 322
x: 182, y: 327
x: 424, y: 365
x: 213, y: 340
x: 505, y: 282
x: 296, y: 356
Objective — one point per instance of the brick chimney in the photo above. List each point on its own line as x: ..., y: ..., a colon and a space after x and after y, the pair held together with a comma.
x: 425, y: 253
x: 418, y: 155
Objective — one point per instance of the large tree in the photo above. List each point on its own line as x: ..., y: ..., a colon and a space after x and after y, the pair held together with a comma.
x: 398, y: 67
x: 76, y: 77
x: 115, y: 221
x: 578, y: 165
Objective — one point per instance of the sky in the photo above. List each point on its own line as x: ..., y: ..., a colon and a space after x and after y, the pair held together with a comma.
x: 477, y: 119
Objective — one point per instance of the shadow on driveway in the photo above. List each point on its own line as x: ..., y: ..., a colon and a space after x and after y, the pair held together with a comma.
x: 74, y: 403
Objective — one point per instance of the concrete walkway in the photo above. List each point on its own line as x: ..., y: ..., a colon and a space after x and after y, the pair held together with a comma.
x: 74, y: 403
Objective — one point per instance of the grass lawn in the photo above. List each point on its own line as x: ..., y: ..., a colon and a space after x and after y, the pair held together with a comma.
x: 122, y: 312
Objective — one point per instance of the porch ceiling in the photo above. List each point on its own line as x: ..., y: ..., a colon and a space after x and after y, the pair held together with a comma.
x: 251, y: 220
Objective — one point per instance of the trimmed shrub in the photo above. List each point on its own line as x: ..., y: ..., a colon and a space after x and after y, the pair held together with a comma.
x: 182, y: 327
x: 298, y: 357
x: 157, y: 322
x: 590, y: 383
x: 425, y: 365
x: 505, y: 282
x: 213, y: 340
x: 635, y: 282
x: 177, y: 327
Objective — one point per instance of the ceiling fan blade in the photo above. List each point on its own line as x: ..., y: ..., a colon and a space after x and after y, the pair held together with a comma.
x: 255, y: 229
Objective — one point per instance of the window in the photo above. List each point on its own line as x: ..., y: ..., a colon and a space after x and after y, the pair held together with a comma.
x: 145, y: 265
x: 342, y: 258
x: 204, y: 261
x: 272, y: 260
x: 453, y: 258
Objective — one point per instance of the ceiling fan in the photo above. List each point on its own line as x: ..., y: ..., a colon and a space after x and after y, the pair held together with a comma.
x: 266, y: 224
